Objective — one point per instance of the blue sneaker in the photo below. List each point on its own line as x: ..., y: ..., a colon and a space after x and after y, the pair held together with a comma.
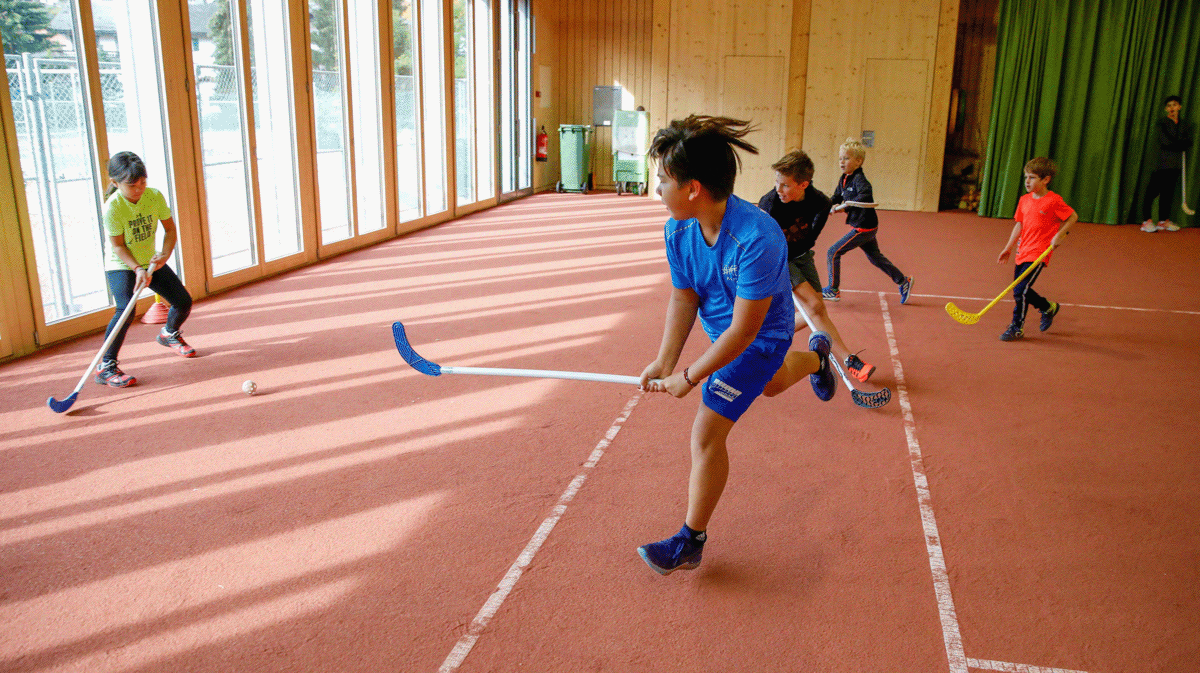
x: 1013, y: 333
x: 824, y: 383
x: 905, y: 288
x: 1048, y: 316
x: 831, y: 294
x: 677, y: 552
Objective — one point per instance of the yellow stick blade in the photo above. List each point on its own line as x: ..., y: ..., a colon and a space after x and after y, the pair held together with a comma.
x: 961, y: 315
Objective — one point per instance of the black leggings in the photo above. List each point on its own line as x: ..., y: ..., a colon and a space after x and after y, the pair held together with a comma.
x: 1024, y: 295
x: 1162, y: 184
x: 857, y: 238
x: 165, y: 283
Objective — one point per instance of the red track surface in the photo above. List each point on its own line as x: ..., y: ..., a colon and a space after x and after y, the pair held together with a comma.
x: 357, y: 515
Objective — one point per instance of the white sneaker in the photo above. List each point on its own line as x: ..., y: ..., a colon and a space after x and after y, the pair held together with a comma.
x: 1149, y: 227
x: 1167, y: 225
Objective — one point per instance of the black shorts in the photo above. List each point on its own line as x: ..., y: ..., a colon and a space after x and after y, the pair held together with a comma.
x: 803, y: 269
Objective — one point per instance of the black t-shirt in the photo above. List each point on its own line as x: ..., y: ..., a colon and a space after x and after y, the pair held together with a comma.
x: 801, y: 221
x: 1174, y: 138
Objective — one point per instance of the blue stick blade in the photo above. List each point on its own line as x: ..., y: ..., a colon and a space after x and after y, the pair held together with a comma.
x: 873, y: 400
x: 62, y: 406
x: 410, y: 356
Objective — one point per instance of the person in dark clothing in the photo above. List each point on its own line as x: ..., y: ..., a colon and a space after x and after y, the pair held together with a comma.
x: 801, y: 211
x: 853, y: 195
x: 1173, y: 136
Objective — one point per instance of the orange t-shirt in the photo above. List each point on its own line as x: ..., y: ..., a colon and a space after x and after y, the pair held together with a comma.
x: 1040, y: 219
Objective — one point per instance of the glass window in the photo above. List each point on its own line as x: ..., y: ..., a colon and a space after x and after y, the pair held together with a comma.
x: 485, y: 133
x: 131, y: 87
x: 366, y: 105
x: 408, y: 164
x: 464, y: 117
x: 53, y: 127
x: 508, y: 99
x: 325, y: 17
x: 524, y: 31
x: 274, y: 128
x: 433, y: 100
x: 220, y: 102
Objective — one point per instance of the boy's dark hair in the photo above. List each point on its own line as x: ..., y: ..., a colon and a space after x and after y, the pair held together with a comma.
x: 701, y: 148
x: 796, y: 165
x: 1177, y: 99
x: 1041, y: 167
x: 124, y: 167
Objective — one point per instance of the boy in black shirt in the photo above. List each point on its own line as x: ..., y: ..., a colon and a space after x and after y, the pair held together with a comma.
x: 801, y: 211
x: 1173, y: 136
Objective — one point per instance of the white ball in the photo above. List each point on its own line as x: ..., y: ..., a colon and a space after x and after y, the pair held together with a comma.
x: 249, y: 387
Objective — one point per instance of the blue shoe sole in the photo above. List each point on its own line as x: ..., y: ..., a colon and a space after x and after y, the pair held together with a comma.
x: 824, y: 383
x: 690, y: 565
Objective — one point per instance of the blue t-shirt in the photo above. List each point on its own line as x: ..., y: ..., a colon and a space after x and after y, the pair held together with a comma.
x: 749, y: 260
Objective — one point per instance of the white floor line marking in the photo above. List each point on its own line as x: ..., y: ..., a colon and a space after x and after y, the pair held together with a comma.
x: 489, y: 609
x: 933, y: 545
x: 933, y: 542
x: 984, y: 664
x: 1009, y: 301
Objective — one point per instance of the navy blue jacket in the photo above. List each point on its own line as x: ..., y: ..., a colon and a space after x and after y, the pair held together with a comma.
x: 855, y: 187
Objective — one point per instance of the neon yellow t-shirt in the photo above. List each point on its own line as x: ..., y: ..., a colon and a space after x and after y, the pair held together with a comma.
x: 138, y: 222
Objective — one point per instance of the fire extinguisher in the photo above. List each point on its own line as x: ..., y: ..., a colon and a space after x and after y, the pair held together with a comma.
x: 543, y: 145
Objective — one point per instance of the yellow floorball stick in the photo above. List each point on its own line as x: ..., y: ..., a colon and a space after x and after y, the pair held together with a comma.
x: 972, y: 318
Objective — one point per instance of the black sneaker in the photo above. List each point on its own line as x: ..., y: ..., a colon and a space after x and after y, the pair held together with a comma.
x: 109, y: 374
x: 1013, y: 333
x: 1048, y: 316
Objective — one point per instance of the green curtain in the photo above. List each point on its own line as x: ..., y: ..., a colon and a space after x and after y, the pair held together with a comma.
x: 1083, y: 82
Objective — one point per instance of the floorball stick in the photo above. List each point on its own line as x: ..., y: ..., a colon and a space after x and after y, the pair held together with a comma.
x: 866, y: 400
x: 860, y: 204
x: 972, y: 318
x: 65, y: 403
x: 433, y: 369
x: 1183, y: 187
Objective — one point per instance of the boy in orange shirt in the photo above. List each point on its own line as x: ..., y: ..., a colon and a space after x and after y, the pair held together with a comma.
x: 1043, y: 219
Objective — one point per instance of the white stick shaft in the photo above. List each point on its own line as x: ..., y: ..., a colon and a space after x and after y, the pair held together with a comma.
x: 1183, y: 188
x: 544, y: 374
x: 112, y: 336
x: 832, y: 358
x: 860, y: 204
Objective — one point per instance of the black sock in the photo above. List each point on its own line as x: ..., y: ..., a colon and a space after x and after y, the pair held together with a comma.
x: 696, y: 536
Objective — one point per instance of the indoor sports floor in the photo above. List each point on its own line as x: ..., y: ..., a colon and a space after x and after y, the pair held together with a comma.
x: 1025, y: 506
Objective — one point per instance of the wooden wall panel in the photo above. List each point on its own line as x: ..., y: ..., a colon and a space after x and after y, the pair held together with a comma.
x: 755, y: 88
x: 546, y: 73
x: 835, y: 85
x: 897, y: 118
x: 673, y: 56
x: 735, y: 61
x: 600, y: 44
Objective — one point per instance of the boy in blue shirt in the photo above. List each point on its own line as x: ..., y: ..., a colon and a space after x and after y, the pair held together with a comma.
x: 728, y: 264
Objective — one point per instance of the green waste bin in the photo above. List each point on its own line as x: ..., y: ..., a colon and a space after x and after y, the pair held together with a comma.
x: 575, y: 153
x: 629, y: 151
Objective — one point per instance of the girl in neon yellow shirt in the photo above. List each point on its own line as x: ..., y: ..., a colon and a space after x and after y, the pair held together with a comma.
x: 132, y: 212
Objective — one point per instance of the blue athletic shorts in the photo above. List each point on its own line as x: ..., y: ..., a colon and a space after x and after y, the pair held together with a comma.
x: 730, y: 390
